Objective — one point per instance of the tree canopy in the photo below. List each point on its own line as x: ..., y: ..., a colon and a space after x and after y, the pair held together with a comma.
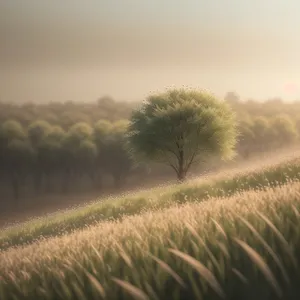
x: 182, y: 127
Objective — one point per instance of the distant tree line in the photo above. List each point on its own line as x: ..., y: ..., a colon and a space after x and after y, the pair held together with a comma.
x: 68, y: 113
x: 65, y: 147
x: 265, y: 126
x: 53, y: 159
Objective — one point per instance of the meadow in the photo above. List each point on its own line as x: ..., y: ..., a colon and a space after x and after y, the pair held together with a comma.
x: 233, y: 235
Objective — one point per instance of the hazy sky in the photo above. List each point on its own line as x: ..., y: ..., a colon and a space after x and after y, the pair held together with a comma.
x: 53, y: 50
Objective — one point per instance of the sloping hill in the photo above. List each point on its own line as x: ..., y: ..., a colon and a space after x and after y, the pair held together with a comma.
x: 241, y: 247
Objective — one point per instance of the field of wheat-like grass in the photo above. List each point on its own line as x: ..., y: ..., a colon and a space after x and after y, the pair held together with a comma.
x: 245, y: 246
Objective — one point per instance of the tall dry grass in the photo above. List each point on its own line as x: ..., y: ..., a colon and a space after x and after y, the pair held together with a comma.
x: 246, y: 246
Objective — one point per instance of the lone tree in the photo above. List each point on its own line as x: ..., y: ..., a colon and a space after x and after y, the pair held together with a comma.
x: 181, y: 128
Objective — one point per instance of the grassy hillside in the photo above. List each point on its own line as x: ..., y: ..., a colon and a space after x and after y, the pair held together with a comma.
x: 241, y: 247
x: 223, y: 184
x: 233, y: 235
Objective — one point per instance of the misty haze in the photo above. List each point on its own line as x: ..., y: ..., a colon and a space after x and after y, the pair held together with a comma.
x: 87, y: 49
x: 149, y: 150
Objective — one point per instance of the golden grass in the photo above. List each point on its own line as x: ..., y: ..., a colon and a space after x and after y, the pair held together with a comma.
x: 244, y: 246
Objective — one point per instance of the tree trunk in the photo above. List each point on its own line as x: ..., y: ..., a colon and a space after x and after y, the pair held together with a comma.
x: 181, y: 174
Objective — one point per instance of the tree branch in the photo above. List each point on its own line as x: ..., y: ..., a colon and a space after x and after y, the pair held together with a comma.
x: 169, y: 163
x: 186, y: 167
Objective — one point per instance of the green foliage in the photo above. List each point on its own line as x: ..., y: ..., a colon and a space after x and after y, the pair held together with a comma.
x: 117, y: 160
x: 81, y: 131
x: 56, y: 134
x: 260, y: 128
x: 246, y: 138
x: 11, y: 130
x: 181, y: 127
x: 87, y: 152
x: 19, y: 152
x: 37, y: 131
x: 60, y: 157
x: 15, y: 147
x: 101, y: 131
x: 285, y: 132
x: 49, y: 153
x: 78, y: 145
